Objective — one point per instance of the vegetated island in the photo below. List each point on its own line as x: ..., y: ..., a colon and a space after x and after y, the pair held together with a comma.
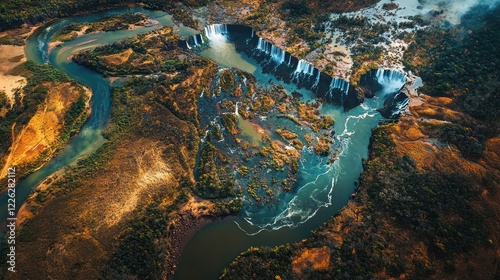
x: 419, y: 216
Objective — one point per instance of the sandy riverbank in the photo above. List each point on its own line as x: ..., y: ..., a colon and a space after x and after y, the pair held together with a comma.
x: 10, y: 58
x: 149, y: 22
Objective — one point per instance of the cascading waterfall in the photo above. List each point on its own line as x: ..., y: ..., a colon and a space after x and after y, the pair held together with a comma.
x: 338, y: 84
x: 393, y: 82
x: 195, y: 41
x: 304, y: 67
x: 391, y: 79
x: 277, y: 54
x: 316, y: 83
x: 276, y: 60
x: 400, y: 107
x: 285, y: 66
x: 216, y: 33
x: 264, y: 46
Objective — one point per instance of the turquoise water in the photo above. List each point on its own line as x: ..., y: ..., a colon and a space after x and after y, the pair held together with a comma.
x: 90, y: 137
x: 321, y: 189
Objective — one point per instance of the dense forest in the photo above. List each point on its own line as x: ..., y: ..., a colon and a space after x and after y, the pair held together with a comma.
x: 465, y: 64
x: 15, y: 13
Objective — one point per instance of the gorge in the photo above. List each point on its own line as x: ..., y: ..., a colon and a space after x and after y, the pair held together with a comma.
x: 211, y: 147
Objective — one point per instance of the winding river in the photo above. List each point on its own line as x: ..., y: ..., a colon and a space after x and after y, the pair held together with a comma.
x: 322, y: 188
x: 90, y: 137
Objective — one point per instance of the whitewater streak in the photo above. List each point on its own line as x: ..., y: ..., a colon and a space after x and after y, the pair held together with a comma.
x: 317, y: 181
x: 43, y: 45
x: 315, y: 194
x: 299, y: 209
x: 293, y: 207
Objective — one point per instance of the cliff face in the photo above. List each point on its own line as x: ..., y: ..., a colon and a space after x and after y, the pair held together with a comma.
x: 285, y: 66
x: 427, y: 206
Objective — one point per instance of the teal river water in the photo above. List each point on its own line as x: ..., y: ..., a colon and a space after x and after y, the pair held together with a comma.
x: 321, y: 190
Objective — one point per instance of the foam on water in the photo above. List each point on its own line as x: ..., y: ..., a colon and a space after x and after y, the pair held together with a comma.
x: 216, y: 33
x: 317, y: 177
x: 43, y: 44
x: 392, y: 80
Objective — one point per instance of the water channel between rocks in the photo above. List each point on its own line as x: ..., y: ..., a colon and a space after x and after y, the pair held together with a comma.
x: 321, y: 189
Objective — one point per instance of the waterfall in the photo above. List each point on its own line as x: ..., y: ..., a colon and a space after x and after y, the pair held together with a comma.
x: 281, y: 63
x: 277, y: 54
x: 395, y: 105
x: 216, y: 33
x: 316, y: 83
x: 304, y: 67
x: 390, y: 79
x: 236, y: 110
x: 195, y: 41
x: 338, y: 84
x: 264, y: 46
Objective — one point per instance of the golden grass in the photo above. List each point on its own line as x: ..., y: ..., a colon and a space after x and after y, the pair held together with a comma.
x: 151, y: 172
x: 492, y: 153
x: 317, y: 258
x: 198, y: 207
x: 42, y: 132
x: 119, y: 58
x: 411, y: 139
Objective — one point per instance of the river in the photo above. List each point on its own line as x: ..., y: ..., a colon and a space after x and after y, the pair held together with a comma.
x: 321, y: 191
x: 90, y: 137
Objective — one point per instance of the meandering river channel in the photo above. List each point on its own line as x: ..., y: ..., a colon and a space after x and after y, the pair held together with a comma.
x: 322, y: 188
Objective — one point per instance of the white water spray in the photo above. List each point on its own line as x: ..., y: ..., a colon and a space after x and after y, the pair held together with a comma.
x: 304, y: 67
x: 216, y: 33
